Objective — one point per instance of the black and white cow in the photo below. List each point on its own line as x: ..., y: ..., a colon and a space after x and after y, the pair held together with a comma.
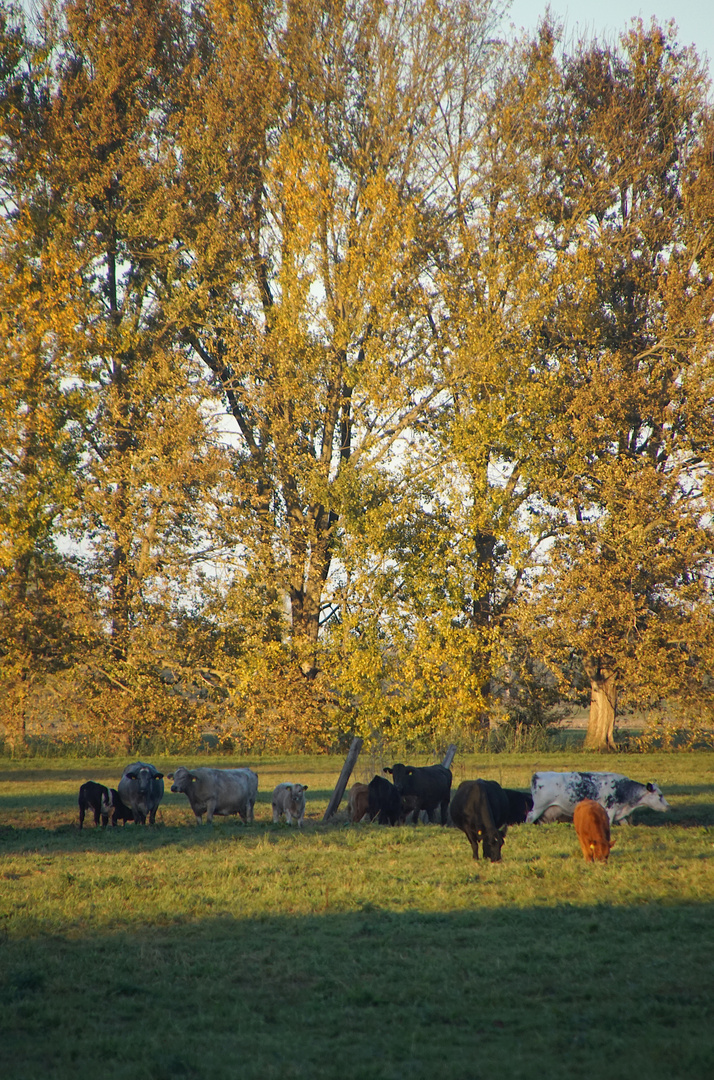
x: 426, y: 787
x: 97, y: 798
x: 141, y: 788
x: 556, y: 794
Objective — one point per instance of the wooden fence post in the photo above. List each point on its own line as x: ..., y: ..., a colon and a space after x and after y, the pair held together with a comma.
x: 449, y: 756
x: 341, y: 784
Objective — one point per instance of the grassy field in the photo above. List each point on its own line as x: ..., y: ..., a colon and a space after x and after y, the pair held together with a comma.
x: 353, y: 951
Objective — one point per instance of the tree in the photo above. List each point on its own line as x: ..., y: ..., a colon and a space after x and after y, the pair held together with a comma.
x: 148, y: 468
x: 313, y: 169
x: 627, y: 583
x: 40, y: 597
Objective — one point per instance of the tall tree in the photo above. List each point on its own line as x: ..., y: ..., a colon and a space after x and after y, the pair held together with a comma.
x: 314, y: 172
x: 630, y: 576
x: 147, y: 469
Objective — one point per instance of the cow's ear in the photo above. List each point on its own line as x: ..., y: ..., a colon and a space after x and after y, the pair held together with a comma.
x: 169, y: 776
x: 650, y: 787
x: 410, y: 770
x: 130, y: 775
x: 160, y: 776
x: 387, y: 769
x: 304, y: 787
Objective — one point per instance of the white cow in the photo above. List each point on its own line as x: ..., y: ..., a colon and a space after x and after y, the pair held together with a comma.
x: 556, y: 794
x: 289, y: 799
x: 217, y: 791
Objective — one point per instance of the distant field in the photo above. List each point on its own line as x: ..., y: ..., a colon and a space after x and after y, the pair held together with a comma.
x: 353, y: 951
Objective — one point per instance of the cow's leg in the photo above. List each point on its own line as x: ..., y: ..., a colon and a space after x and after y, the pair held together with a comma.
x: 81, y: 815
x: 474, y: 836
x: 210, y: 810
x: 105, y: 820
x: 152, y: 816
x: 96, y: 815
x: 276, y: 815
x: 199, y: 818
x: 288, y: 815
x: 444, y: 812
x: 250, y: 814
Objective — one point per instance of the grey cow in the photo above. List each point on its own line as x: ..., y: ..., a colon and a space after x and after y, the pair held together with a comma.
x: 289, y: 799
x: 141, y: 788
x: 217, y: 791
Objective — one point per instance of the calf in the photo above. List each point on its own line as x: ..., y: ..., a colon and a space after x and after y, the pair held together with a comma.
x: 593, y: 828
x: 384, y: 801
x: 97, y: 798
x: 289, y: 799
x: 358, y: 802
x: 120, y: 809
x: 428, y: 785
x: 480, y: 808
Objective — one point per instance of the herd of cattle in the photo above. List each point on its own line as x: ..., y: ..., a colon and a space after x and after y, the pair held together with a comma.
x: 482, y: 809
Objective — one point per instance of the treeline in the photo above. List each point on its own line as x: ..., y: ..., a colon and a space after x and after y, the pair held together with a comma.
x: 356, y: 372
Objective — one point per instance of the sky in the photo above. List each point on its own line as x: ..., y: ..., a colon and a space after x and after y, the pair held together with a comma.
x: 607, y: 18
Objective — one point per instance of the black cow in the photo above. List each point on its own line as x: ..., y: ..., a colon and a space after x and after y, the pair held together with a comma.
x: 428, y: 787
x: 520, y: 804
x: 120, y: 809
x: 480, y: 809
x: 384, y: 801
x: 94, y: 797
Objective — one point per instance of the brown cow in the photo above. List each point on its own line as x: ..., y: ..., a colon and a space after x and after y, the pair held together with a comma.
x: 358, y: 802
x: 593, y: 828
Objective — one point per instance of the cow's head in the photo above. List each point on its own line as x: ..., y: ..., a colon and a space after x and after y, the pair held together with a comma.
x: 401, y: 774
x: 654, y: 798
x: 492, y: 844
x: 182, y: 780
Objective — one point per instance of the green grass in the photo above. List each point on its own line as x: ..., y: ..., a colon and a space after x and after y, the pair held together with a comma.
x: 353, y: 951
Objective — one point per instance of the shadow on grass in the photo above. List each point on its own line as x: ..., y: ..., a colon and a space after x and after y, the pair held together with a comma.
x: 369, y: 994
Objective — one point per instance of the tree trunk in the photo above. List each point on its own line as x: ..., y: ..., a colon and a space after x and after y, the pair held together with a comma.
x: 603, y: 701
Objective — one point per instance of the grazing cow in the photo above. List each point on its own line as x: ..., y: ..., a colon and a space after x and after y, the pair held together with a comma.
x: 520, y: 803
x: 358, y: 802
x: 289, y: 799
x: 120, y: 809
x: 97, y: 798
x: 141, y: 788
x: 384, y: 801
x: 430, y: 785
x: 593, y: 828
x: 556, y: 794
x: 217, y: 791
x: 480, y: 808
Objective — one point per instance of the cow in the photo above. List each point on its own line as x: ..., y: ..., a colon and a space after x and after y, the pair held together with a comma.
x: 430, y: 785
x: 520, y: 803
x: 358, y: 802
x: 119, y: 809
x: 217, y: 791
x: 383, y: 801
x: 141, y: 788
x: 556, y: 794
x: 289, y: 799
x: 97, y: 798
x: 593, y: 828
x: 480, y: 808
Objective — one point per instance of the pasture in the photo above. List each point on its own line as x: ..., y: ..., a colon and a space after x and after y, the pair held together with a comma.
x: 353, y: 951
